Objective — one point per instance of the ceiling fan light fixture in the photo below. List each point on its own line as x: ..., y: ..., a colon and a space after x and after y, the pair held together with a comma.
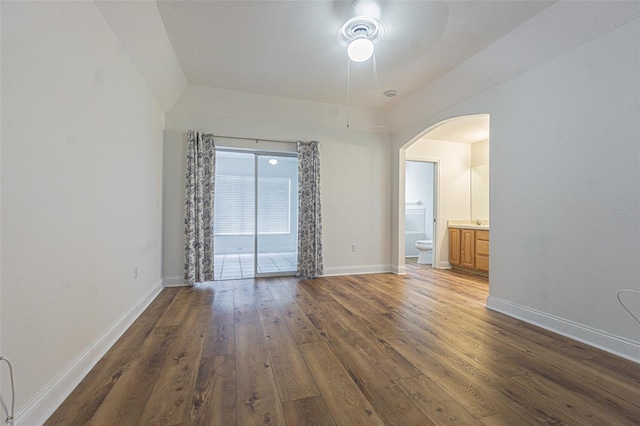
x: 360, y: 34
x: 360, y: 49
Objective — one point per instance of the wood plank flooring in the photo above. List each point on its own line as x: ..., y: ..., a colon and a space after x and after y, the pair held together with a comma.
x: 377, y: 349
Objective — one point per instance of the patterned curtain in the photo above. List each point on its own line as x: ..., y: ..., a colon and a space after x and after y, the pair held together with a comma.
x: 198, y: 220
x: 309, y: 214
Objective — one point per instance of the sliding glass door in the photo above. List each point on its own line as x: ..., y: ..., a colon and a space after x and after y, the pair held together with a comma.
x: 234, y: 216
x: 277, y: 215
x: 255, y: 215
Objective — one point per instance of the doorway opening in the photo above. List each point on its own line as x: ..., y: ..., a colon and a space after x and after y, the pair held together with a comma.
x: 419, y: 210
x: 255, y: 214
x: 460, y: 148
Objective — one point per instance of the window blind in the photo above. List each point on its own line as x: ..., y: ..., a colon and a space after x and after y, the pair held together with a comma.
x: 235, y: 205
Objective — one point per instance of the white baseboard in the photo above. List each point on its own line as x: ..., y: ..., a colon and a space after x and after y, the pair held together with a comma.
x: 42, y: 406
x: 402, y: 270
x: 174, y: 282
x: 616, y: 345
x: 356, y: 270
x: 328, y: 272
x: 399, y: 270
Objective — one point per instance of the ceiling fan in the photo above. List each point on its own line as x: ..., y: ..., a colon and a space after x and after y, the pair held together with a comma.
x: 359, y: 34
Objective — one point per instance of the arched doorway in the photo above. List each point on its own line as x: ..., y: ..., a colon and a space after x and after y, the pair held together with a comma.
x: 459, y: 147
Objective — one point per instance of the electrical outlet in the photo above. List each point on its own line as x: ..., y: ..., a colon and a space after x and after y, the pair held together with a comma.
x: 135, y: 271
x: 353, y: 247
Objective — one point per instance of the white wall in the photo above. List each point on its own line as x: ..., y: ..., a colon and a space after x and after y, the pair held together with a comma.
x: 81, y: 195
x: 453, y: 187
x: 480, y: 153
x: 480, y: 176
x: 354, y: 167
x: 565, y: 189
x: 140, y: 30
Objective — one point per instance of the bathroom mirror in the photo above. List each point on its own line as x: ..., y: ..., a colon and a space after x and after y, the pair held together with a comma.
x: 480, y: 192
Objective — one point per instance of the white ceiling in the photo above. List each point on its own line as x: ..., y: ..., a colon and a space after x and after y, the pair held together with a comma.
x: 290, y: 48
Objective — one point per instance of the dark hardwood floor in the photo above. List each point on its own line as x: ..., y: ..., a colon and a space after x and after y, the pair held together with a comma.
x: 378, y: 349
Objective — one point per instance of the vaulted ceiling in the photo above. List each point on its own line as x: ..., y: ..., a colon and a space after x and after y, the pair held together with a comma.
x: 291, y: 49
x: 435, y: 53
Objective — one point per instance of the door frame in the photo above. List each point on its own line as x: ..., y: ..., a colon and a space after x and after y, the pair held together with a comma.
x: 436, y: 203
x: 256, y: 274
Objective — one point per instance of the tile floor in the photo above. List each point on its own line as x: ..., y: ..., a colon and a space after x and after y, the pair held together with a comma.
x: 235, y: 266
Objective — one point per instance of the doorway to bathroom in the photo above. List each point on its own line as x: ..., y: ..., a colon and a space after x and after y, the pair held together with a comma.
x: 420, y: 208
x: 457, y: 146
x: 255, y: 214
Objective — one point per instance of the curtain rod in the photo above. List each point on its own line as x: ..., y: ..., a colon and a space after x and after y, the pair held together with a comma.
x: 252, y: 139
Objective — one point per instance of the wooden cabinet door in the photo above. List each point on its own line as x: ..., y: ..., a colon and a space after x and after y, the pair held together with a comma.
x: 467, y: 248
x: 454, y: 246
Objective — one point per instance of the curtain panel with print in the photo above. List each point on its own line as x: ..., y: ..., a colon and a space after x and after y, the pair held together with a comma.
x: 309, y: 211
x: 199, y: 196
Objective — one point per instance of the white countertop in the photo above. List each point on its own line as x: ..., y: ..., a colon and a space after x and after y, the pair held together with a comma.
x: 468, y: 224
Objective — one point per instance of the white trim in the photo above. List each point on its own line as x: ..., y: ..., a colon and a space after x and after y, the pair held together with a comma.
x: 399, y: 270
x: 616, y: 345
x: 356, y: 270
x: 176, y: 281
x: 422, y: 159
x: 42, y: 406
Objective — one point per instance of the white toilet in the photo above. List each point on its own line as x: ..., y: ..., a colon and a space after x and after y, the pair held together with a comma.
x: 425, y: 251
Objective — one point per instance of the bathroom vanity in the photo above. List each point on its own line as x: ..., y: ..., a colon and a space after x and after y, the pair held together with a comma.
x: 469, y: 246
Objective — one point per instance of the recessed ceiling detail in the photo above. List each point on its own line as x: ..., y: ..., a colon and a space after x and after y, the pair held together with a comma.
x: 289, y: 49
x: 360, y: 26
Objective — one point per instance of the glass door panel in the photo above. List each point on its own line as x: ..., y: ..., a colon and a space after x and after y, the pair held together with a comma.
x: 276, y: 215
x: 234, y: 216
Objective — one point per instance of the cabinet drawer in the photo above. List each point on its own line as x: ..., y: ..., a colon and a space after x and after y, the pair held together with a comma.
x: 482, y: 247
x: 482, y: 235
x: 482, y: 263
